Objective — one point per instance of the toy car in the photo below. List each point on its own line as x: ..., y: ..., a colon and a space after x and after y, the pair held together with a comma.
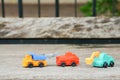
x: 69, y: 59
x: 98, y: 59
x: 31, y: 60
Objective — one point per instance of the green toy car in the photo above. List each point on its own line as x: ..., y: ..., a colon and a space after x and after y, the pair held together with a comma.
x: 100, y: 60
x: 104, y: 60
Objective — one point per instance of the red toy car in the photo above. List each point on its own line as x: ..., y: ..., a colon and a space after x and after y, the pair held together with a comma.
x: 69, y: 59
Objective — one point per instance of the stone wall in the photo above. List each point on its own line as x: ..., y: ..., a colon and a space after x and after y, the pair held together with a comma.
x: 84, y: 27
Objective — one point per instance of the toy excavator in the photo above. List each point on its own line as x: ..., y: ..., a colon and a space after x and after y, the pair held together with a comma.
x: 32, y: 60
x: 98, y: 59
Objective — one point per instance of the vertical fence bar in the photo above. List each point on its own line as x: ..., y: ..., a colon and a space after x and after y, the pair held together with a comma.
x: 3, y: 8
x: 39, y: 9
x: 94, y: 8
x: 75, y: 8
x: 113, y: 7
x: 20, y: 8
x: 57, y: 8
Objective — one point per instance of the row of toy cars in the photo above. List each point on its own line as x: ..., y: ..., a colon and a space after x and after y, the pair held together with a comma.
x: 31, y: 59
x: 97, y: 59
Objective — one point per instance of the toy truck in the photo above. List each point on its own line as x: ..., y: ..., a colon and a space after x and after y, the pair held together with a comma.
x: 98, y: 59
x: 69, y: 59
x: 32, y: 60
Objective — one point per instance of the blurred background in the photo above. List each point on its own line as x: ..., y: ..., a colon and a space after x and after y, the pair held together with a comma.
x: 47, y: 8
x: 60, y: 8
x: 67, y: 8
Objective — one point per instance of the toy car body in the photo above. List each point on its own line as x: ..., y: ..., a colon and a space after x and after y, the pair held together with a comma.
x: 31, y: 60
x: 69, y: 59
x: 104, y: 60
x: 100, y: 60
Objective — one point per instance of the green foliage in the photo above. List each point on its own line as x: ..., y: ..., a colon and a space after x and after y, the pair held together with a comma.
x: 103, y: 7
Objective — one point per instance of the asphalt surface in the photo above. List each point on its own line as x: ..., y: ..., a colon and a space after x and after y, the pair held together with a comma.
x: 11, y: 58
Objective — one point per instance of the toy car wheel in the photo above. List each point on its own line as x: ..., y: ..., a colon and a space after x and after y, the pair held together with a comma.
x: 63, y: 64
x: 105, y: 65
x: 73, y: 64
x: 111, y: 64
x: 30, y: 65
x: 41, y: 65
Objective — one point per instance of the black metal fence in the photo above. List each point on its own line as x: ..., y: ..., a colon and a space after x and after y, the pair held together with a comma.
x: 57, y: 8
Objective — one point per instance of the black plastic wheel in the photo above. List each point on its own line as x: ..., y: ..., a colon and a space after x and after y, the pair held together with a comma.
x: 105, y: 65
x: 41, y: 65
x: 73, y: 64
x: 63, y: 64
x: 30, y: 65
x: 111, y: 64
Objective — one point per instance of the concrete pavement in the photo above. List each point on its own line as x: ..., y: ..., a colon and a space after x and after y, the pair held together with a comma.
x: 11, y: 68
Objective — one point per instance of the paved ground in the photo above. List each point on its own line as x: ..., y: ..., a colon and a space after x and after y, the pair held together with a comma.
x: 11, y: 58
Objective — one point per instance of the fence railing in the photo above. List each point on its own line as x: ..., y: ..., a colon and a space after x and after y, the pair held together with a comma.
x: 3, y: 8
x: 57, y: 8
